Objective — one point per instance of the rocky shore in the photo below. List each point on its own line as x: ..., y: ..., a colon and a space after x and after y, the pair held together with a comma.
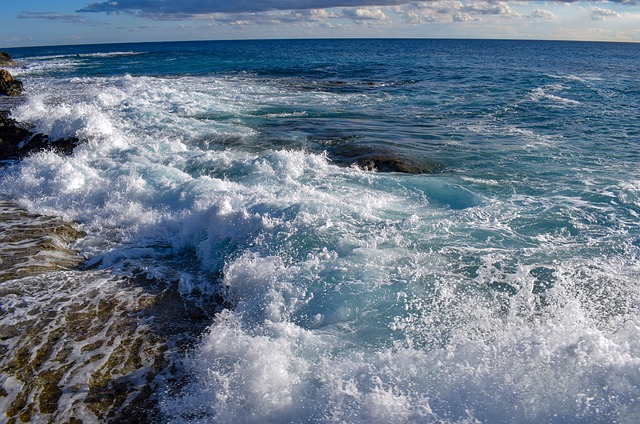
x: 81, y: 345
x: 75, y: 345
x: 33, y: 244
x: 8, y: 85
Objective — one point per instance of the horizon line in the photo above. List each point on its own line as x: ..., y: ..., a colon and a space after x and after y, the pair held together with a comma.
x: 320, y: 39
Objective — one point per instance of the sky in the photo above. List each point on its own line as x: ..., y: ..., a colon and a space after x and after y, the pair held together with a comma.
x: 60, y: 22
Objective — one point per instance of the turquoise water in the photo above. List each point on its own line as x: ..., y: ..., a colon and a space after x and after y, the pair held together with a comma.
x: 503, y: 287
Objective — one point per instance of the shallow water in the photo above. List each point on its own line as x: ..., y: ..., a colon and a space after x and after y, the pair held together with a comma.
x: 500, y: 288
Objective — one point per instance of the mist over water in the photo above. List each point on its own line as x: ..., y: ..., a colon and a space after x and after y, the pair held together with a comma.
x: 503, y: 287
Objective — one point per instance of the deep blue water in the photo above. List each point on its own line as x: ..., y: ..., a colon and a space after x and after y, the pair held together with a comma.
x: 502, y: 287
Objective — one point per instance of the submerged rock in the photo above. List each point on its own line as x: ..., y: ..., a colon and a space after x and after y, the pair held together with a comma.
x: 5, y: 59
x: 17, y: 140
x: 8, y: 85
x: 386, y: 163
x: 380, y: 159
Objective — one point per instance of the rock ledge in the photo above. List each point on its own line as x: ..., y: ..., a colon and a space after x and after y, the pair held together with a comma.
x: 5, y: 59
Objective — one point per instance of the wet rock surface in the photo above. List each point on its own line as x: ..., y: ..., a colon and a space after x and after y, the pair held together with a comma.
x: 81, y: 346
x: 84, y: 345
x: 88, y: 346
x: 18, y: 140
x: 31, y: 244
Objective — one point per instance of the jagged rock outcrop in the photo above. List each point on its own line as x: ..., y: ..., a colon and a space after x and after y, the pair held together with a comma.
x: 8, y: 85
x: 5, y: 59
x: 18, y: 140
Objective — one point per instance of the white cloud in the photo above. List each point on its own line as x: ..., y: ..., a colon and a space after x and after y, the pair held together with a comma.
x: 313, y: 14
x: 489, y: 8
x: 300, y: 18
x: 462, y: 17
x: 542, y: 14
x: 479, y: 17
x: 139, y: 28
x: 362, y: 15
x: 452, y: 11
x: 436, y: 11
x: 599, y: 14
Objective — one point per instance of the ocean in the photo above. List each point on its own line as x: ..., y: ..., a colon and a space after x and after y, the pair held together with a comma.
x: 326, y: 231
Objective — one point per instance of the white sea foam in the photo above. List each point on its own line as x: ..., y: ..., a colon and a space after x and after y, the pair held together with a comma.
x: 64, y: 56
x: 583, y: 79
x: 460, y: 360
x: 111, y: 54
x: 482, y: 181
x: 546, y: 93
x: 552, y: 344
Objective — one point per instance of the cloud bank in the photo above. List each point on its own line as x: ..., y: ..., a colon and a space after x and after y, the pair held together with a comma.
x: 203, y: 7
x: 55, y: 16
x: 307, y: 12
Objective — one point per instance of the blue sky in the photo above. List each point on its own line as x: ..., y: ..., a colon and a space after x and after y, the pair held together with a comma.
x: 52, y: 22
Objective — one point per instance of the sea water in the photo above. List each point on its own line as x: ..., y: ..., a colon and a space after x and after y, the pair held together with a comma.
x: 502, y: 287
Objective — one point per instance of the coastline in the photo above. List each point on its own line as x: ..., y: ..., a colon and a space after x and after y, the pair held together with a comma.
x: 77, y: 345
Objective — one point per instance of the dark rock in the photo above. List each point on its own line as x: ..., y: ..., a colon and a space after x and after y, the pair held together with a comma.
x: 12, y: 133
x: 8, y: 85
x: 39, y: 142
x: 380, y: 159
x: 5, y: 59
x: 392, y: 164
x: 17, y: 140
